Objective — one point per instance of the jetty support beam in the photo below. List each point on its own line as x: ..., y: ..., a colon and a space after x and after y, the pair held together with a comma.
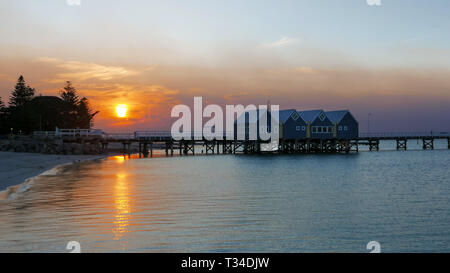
x: 402, y: 144
x: 374, y: 145
x: 428, y: 143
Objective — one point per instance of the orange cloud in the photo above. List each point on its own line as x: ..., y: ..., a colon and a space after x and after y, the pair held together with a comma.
x: 86, y: 71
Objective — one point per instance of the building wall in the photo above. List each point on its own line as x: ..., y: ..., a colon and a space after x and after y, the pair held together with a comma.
x: 348, y: 127
x: 318, y: 125
x: 294, y: 129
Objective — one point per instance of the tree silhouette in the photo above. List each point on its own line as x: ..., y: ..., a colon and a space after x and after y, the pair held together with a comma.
x: 69, y: 95
x: 27, y: 113
x: 3, y: 125
x: 2, y: 105
x: 76, y: 112
x: 85, y: 114
x: 70, y: 101
x: 22, y: 94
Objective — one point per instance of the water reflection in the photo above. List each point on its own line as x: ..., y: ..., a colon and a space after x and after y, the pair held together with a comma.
x: 122, y: 206
x: 237, y: 203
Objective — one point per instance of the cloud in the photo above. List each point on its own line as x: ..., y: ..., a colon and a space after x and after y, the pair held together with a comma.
x: 284, y: 41
x: 306, y: 70
x: 73, y: 2
x: 84, y: 71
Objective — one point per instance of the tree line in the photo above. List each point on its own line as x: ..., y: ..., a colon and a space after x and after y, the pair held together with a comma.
x: 27, y: 112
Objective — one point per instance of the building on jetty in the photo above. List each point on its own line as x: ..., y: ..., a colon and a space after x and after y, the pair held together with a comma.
x: 292, y: 126
x: 319, y: 125
x: 345, y: 124
x: 300, y: 125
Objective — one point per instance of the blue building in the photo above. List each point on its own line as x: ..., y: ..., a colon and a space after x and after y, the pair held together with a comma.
x: 345, y: 125
x: 292, y: 126
x: 296, y: 125
x: 318, y: 124
x: 251, y: 121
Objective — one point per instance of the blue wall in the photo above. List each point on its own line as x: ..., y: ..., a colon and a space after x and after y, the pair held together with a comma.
x: 290, y: 129
x: 352, y: 127
x: 325, y: 123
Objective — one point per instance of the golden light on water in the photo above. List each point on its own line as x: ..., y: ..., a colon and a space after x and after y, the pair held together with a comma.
x: 122, y: 205
x: 121, y: 110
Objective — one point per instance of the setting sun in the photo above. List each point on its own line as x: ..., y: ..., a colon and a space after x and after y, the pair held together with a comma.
x: 121, y: 110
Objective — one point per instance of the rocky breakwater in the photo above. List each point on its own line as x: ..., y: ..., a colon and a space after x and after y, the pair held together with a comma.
x: 53, y: 146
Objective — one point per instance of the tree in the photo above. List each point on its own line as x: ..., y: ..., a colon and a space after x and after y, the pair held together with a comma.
x: 27, y: 113
x: 22, y: 94
x: 18, y: 117
x: 3, y: 125
x: 2, y: 106
x: 85, y: 114
x: 76, y: 112
x: 69, y: 95
x: 71, y: 102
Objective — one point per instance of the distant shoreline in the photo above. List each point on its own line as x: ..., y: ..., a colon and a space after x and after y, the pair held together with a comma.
x: 18, y: 168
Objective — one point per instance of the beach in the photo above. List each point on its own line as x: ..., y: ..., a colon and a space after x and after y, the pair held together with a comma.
x: 16, y: 168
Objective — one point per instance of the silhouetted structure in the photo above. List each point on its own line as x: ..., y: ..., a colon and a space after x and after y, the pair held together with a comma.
x: 27, y: 113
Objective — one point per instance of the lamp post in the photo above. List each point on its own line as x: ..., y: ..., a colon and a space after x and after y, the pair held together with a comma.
x: 368, y: 122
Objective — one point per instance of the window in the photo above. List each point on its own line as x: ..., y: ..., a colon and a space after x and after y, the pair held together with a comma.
x: 303, y: 128
x: 345, y: 128
x: 330, y: 129
x: 297, y: 128
x: 320, y: 129
x: 340, y: 128
x: 314, y: 129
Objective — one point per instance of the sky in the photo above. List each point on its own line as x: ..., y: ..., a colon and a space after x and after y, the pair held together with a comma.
x: 391, y: 60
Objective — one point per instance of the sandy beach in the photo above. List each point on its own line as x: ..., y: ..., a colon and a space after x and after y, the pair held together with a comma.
x: 16, y: 168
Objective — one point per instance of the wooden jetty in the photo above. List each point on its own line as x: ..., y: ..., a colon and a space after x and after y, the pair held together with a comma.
x: 148, y: 140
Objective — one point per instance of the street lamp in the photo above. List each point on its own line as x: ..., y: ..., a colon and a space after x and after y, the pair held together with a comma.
x: 368, y: 122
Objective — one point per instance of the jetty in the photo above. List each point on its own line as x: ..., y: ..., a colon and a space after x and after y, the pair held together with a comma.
x: 147, y: 140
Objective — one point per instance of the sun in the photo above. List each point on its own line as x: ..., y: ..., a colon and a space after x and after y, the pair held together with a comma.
x: 121, y: 110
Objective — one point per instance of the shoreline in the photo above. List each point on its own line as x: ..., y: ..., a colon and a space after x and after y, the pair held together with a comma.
x: 17, y: 169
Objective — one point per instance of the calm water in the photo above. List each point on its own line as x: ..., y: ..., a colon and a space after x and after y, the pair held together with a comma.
x: 289, y: 203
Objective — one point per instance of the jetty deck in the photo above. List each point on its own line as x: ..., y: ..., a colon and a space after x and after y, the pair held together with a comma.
x: 147, y: 140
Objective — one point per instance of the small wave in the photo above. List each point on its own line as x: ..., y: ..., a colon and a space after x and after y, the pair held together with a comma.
x: 13, y: 191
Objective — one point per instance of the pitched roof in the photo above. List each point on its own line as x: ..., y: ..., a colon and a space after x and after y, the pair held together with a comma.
x: 284, y: 115
x: 309, y: 116
x: 336, y: 116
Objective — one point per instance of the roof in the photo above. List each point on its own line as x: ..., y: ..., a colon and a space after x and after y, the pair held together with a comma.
x: 310, y: 116
x: 284, y: 115
x: 336, y: 116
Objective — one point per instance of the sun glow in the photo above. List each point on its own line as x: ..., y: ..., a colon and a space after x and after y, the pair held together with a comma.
x: 121, y: 110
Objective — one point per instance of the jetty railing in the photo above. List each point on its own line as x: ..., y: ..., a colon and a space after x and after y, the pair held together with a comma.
x: 403, y: 134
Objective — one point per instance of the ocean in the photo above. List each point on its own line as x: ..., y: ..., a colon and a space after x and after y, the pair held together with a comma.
x: 237, y: 203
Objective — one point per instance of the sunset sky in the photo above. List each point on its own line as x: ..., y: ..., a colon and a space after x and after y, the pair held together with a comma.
x: 391, y: 60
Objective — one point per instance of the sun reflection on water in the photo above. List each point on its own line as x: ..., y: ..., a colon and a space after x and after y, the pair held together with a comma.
x: 122, y: 206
